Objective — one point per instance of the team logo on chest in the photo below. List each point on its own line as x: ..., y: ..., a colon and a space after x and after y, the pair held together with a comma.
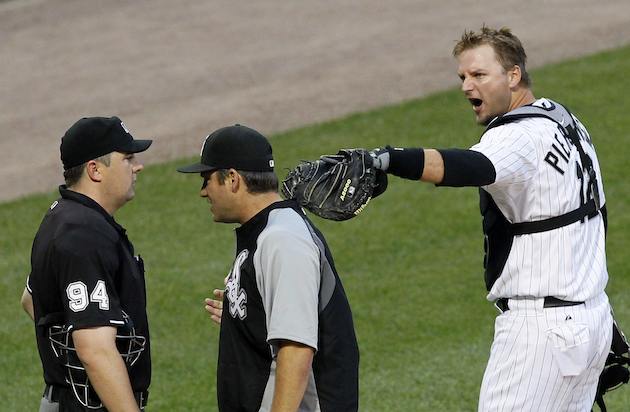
x: 236, y: 296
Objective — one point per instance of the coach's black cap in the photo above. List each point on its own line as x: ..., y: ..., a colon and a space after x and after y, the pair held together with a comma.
x: 233, y: 147
x: 92, y: 137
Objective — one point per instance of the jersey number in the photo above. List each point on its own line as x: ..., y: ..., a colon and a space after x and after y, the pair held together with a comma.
x: 78, y: 295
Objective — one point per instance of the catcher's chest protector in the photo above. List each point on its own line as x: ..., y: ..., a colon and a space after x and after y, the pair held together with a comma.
x: 497, y: 238
x: 498, y: 231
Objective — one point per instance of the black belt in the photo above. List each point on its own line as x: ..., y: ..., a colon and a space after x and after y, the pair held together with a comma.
x: 550, y: 302
x: 52, y: 393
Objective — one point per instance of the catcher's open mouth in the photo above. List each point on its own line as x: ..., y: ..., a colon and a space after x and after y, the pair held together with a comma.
x: 475, y: 102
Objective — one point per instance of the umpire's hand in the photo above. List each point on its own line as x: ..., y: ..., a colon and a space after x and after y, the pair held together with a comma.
x: 215, y: 306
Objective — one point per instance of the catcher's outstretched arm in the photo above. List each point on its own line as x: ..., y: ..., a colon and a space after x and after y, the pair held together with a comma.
x: 444, y: 167
x: 433, y: 170
x: 466, y: 168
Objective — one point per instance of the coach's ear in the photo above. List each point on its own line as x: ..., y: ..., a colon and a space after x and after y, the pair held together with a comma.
x: 234, y: 180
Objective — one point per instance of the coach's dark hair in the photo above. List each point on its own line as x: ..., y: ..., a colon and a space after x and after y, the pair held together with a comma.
x: 257, y: 182
x: 507, y: 47
x: 73, y: 175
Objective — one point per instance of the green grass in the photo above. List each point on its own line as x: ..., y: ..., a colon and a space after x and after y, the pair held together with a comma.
x: 411, y: 263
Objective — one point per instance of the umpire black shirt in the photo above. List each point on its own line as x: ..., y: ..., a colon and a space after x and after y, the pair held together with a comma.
x: 83, y: 267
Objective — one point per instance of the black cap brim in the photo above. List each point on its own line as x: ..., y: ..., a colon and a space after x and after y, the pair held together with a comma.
x: 196, y: 168
x: 136, y: 146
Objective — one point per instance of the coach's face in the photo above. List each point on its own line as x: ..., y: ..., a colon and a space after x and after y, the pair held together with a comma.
x: 485, y: 83
x: 219, y: 195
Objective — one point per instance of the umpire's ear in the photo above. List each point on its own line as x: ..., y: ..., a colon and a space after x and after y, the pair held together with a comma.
x: 92, y: 170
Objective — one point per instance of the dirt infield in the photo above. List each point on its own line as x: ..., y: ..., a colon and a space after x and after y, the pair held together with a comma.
x: 174, y: 71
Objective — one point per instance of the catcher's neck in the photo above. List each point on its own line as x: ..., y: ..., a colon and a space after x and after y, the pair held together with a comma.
x: 521, y: 97
x: 252, y: 204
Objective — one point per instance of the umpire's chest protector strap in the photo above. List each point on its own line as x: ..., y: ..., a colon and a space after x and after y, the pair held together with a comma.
x: 498, y: 231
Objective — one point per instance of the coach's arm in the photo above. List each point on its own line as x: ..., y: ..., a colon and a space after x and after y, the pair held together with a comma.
x: 293, y: 366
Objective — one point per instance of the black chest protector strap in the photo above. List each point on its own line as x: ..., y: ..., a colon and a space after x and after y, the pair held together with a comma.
x: 499, y: 232
x: 55, y: 318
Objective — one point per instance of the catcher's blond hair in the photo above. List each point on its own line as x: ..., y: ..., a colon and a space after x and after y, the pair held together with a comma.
x: 507, y: 47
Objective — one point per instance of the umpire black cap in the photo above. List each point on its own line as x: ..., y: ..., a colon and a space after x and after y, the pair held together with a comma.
x: 92, y: 137
x: 233, y: 147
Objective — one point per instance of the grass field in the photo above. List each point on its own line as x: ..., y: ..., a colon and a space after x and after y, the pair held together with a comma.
x: 411, y: 263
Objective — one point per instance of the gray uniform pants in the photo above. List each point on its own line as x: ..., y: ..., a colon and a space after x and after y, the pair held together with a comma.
x: 48, y: 406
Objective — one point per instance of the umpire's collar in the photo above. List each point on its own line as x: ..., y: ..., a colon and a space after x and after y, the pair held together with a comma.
x: 91, y: 203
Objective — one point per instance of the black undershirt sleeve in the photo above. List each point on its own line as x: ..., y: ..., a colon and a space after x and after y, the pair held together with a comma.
x: 466, y: 168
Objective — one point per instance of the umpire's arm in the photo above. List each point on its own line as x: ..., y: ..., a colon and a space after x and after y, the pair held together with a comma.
x: 96, y: 348
x: 27, y: 303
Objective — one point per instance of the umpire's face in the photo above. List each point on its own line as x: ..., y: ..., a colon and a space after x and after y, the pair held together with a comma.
x: 119, y: 178
x: 485, y: 83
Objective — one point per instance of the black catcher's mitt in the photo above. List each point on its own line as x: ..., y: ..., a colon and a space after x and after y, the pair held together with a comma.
x: 335, y: 187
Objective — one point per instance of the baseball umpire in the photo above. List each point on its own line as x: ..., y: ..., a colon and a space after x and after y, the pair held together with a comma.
x: 287, y: 340
x: 86, y: 289
x: 544, y: 220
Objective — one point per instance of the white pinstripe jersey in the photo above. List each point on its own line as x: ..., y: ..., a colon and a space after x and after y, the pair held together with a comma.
x: 537, y: 177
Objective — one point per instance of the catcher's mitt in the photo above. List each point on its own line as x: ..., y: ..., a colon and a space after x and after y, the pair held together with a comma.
x: 335, y: 187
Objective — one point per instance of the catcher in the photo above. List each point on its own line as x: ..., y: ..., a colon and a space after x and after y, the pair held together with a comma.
x: 544, y: 221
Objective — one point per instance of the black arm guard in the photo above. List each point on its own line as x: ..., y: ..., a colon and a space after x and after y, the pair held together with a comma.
x: 466, y: 168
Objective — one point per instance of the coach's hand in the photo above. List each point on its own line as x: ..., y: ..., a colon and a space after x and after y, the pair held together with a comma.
x: 215, y: 306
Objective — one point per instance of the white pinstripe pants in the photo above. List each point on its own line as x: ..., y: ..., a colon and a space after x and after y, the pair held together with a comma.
x: 546, y: 359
